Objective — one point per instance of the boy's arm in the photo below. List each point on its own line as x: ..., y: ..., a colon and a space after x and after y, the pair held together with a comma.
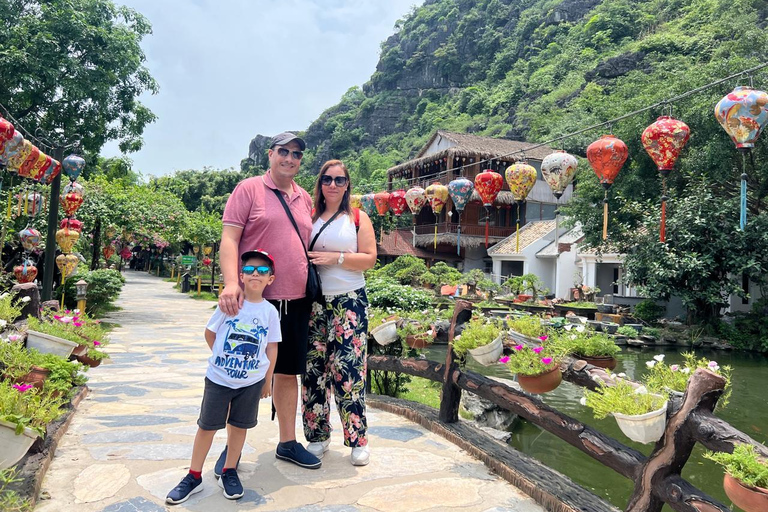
x: 266, y: 390
x: 210, y: 337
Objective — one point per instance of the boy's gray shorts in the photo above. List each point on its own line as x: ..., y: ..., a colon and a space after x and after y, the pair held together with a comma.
x: 222, y: 405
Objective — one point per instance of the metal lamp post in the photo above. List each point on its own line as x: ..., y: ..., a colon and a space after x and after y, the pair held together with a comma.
x: 82, y: 291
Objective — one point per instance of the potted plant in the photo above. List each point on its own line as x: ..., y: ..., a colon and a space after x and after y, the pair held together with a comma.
x: 746, y: 477
x: 525, y: 329
x: 481, y: 339
x: 610, y: 327
x: 383, y: 331
x: 24, y: 413
x: 51, y: 338
x: 639, y: 414
x: 537, y: 368
x: 596, y: 349
x: 415, y: 336
x: 664, y: 379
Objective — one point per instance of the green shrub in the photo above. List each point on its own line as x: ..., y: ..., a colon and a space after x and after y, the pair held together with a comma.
x: 405, y: 269
x: 441, y: 274
x: 11, y: 501
x: 30, y: 408
x: 10, y: 308
x: 527, y: 326
x: 649, y: 311
x: 477, y: 333
x: 386, y: 294
x: 585, y: 343
x: 625, y: 330
x: 104, y: 286
x: 662, y: 377
x: 743, y: 464
x: 749, y: 330
x: 623, y: 399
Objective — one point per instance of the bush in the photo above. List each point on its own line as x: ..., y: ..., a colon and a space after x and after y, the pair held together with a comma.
x: 476, y: 333
x: 527, y: 326
x: 627, y: 331
x: 585, y: 343
x: 743, y: 464
x: 386, y: 294
x: 649, y: 311
x: 749, y: 330
x: 104, y: 286
x: 405, y: 269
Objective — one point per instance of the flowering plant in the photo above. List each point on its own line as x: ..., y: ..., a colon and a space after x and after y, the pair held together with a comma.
x: 28, y: 408
x: 585, y: 343
x: 476, y: 333
x: 622, y: 398
x: 663, y: 378
x: 743, y: 464
x: 529, y: 360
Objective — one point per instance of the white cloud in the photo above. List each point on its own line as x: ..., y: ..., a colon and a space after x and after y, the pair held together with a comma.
x: 231, y: 69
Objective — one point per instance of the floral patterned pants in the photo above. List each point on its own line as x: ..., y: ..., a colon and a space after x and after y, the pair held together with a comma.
x: 338, y: 334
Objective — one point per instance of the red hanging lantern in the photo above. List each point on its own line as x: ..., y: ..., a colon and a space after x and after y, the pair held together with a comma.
x: 71, y: 223
x: 397, y: 202
x: 606, y: 156
x: 381, y: 200
x: 70, y: 202
x: 108, y: 252
x: 663, y: 140
x: 207, y: 261
x: 125, y: 253
x: 25, y: 273
x: 488, y: 184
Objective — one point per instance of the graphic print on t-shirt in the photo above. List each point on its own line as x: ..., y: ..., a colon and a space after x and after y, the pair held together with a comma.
x: 242, y: 344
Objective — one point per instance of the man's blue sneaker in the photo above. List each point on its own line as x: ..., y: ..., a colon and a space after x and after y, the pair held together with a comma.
x: 219, y: 467
x: 230, y: 482
x: 188, y: 486
x: 293, y: 451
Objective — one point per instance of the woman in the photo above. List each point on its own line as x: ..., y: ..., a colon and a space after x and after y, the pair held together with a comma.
x: 343, y: 246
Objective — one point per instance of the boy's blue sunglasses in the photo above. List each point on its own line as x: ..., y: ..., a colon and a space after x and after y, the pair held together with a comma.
x: 261, y: 270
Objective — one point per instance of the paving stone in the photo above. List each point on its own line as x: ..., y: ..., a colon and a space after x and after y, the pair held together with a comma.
x: 163, y: 385
x: 404, y: 434
x: 138, y: 420
x: 124, y: 390
x: 160, y: 451
x: 121, y: 436
x: 134, y: 505
x: 422, y: 495
x: 91, y: 484
x: 327, y: 508
x: 105, y: 398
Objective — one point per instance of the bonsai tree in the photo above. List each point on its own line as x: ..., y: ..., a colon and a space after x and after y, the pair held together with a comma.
x: 441, y: 274
x: 471, y: 279
x: 533, y: 283
x: 488, y: 287
x: 516, y: 284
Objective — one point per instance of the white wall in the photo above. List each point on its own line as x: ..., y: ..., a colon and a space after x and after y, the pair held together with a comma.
x: 473, y: 258
x: 737, y: 302
x: 566, y: 269
x: 439, y: 144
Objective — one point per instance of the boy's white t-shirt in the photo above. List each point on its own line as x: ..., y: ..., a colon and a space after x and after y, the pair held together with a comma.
x: 239, y: 356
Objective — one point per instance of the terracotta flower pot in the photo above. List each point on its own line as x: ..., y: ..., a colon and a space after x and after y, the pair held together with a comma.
x: 36, y: 377
x: 418, y: 341
x: 542, y: 383
x: 599, y: 361
x: 93, y: 363
x: 750, y: 499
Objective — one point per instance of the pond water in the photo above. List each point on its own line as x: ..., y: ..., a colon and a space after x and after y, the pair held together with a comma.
x: 746, y: 411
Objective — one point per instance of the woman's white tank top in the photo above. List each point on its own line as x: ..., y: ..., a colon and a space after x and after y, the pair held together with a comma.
x: 339, y: 236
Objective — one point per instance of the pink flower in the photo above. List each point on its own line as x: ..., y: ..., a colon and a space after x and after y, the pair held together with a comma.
x: 97, y: 343
x: 543, y: 337
x: 674, y: 367
x: 504, y: 359
x: 546, y: 360
x: 77, y: 324
x: 518, y: 348
x: 14, y: 337
x: 538, y: 349
x: 22, y: 388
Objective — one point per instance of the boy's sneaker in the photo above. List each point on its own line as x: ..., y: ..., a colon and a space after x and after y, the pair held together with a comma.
x: 219, y: 467
x: 292, y: 451
x: 318, y: 449
x: 230, y: 482
x: 188, y: 486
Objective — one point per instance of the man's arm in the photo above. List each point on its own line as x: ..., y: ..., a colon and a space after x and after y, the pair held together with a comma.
x: 266, y: 390
x: 231, y: 298
x: 210, y: 337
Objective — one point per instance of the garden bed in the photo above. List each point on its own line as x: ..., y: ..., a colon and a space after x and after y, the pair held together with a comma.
x: 533, y: 308
x: 31, y: 469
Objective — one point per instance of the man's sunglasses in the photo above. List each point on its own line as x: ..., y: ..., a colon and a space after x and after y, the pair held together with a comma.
x: 261, y: 270
x: 339, y: 180
x: 284, y: 153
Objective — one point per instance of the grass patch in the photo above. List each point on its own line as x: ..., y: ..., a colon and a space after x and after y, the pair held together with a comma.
x: 427, y: 392
x: 203, y: 296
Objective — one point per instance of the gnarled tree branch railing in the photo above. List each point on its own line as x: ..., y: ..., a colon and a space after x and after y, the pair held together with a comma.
x: 656, y: 478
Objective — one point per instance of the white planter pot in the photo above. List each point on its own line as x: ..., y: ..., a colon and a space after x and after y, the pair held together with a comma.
x: 13, y: 447
x: 643, y: 428
x: 48, y: 344
x: 386, y: 333
x: 488, y: 354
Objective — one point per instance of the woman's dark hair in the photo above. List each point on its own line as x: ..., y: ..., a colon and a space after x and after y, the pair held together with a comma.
x: 320, y: 199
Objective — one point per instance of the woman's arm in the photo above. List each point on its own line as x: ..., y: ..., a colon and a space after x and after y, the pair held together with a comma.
x: 363, y: 259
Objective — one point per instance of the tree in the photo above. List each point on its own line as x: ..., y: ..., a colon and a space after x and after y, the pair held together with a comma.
x: 74, y: 69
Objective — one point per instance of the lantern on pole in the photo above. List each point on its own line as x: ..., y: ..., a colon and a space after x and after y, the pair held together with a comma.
x: 521, y: 178
x: 26, y: 272
x: 437, y: 195
x: 10, y: 149
x: 397, y: 205
x: 71, y: 223
x: 460, y: 191
x: 663, y: 140
x: 31, y: 160
x: 606, y: 156
x: 381, y: 201
x: 6, y: 130
x: 743, y: 114
x: 16, y: 160
x: 108, y: 252
x: 488, y: 184
x: 354, y: 201
x: 416, y: 199
x: 30, y: 238
x: 558, y: 169
x: 73, y: 165
x: 368, y: 204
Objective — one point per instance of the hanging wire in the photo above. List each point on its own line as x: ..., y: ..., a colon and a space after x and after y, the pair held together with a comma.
x: 658, y: 105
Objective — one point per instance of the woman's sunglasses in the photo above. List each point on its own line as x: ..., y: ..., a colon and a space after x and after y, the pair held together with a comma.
x: 284, y: 153
x: 261, y: 270
x: 339, y: 180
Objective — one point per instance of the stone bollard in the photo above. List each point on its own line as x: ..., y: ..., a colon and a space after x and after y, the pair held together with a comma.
x: 31, y: 307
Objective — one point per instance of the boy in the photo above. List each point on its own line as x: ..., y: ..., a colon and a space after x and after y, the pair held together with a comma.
x: 244, y: 351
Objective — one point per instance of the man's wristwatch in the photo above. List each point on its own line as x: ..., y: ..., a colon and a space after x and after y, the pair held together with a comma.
x: 341, y: 259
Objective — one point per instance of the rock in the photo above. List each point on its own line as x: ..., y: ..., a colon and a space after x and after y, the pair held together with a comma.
x: 570, y: 10
x: 498, y: 435
x: 487, y: 413
x: 615, y: 67
x: 32, y: 305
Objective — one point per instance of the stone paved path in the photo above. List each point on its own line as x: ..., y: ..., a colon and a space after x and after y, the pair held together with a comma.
x: 131, y: 439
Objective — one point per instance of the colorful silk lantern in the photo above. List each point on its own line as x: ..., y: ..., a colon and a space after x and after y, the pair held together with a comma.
x: 558, y: 169
x: 73, y: 165
x: 437, y: 194
x: 381, y: 200
x: 207, y: 250
x: 354, y: 201
x: 67, y: 264
x: 51, y: 172
x: 71, y: 223
x: 70, y: 202
x: 108, y: 252
x: 488, y: 184
x: 743, y: 114
x: 663, y: 140
x: 67, y: 238
x: 25, y: 273
x: 10, y: 148
x: 460, y: 191
x: 38, y: 169
x: 6, y: 130
x: 606, y: 156
x: 110, y: 231
x: 416, y: 200
x: 15, y: 161
x: 33, y: 203
x: 26, y: 166
x: 521, y: 178
x: 368, y: 204
x: 125, y: 253
x: 397, y: 205
x: 73, y: 186
x: 207, y: 261
x: 30, y: 238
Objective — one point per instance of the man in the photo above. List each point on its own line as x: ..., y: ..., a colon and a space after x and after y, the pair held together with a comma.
x: 255, y: 217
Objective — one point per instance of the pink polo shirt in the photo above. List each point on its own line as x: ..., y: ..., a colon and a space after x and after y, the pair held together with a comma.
x: 257, y: 210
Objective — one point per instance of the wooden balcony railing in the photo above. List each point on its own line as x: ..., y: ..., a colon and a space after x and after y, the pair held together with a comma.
x: 468, y: 230
x: 657, y: 477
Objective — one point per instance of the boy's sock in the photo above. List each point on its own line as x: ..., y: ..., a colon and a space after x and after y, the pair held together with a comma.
x: 197, y: 474
x: 225, y: 469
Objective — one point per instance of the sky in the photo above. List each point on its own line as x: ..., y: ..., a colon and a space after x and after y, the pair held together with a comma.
x: 231, y: 69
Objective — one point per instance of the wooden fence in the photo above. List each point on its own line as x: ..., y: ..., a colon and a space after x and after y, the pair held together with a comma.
x: 656, y: 478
